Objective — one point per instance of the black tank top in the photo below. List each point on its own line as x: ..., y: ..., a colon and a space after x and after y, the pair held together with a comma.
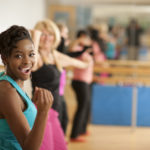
x: 48, y: 77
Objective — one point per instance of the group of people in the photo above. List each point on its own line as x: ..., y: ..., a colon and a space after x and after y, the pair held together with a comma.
x: 41, y: 54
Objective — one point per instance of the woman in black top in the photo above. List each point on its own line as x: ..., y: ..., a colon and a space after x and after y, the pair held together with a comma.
x: 47, y: 77
x: 46, y: 73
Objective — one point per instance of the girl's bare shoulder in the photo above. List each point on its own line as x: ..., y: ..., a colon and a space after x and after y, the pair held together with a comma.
x: 7, y: 92
x: 9, y: 99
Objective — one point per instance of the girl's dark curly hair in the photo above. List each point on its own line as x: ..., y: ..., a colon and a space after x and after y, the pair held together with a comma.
x: 10, y: 37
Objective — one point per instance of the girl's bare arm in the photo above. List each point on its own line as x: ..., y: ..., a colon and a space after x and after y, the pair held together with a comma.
x: 11, y: 109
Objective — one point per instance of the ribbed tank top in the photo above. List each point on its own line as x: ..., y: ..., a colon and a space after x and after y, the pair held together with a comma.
x: 7, y: 139
x: 48, y: 77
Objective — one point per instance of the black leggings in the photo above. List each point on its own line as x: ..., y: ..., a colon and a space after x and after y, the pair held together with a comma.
x: 83, y: 97
x: 63, y: 115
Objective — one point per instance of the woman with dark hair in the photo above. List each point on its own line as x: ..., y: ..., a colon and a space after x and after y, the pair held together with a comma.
x: 81, y: 85
x: 63, y: 47
x: 21, y: 124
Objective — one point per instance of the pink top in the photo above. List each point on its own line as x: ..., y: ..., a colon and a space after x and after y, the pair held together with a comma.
x: 85, y: 75
x: 62, y: 83
x: 98, y: 55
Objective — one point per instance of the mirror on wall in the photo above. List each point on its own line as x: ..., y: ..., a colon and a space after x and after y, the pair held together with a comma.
x: 117, y: 15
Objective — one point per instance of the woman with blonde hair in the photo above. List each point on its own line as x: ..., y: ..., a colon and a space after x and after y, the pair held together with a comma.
x: 46, y: 74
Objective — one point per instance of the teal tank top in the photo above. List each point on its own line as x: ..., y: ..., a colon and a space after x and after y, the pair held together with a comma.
x: 7, y: 139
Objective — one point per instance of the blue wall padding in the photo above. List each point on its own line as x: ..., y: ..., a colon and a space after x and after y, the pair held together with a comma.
x: 111, y: 105
x: 143, y: 106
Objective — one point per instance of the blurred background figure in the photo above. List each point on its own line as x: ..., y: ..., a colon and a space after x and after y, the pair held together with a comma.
x: 133, y: 32
x: 98, y: 44
x: 64, y: 32
x: 82, y: 78
x: 62, y: 47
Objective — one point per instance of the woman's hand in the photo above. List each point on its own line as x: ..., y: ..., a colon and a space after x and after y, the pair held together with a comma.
x: 43, y: 99
x: 35, y: 33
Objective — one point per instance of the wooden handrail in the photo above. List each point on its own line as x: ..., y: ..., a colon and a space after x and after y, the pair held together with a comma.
x: 117, y: 80
x: 128, y: 63
x: 123, y: 72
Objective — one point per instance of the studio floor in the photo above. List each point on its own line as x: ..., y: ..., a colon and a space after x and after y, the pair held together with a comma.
x: 107, y: 137
x: 114, y: 138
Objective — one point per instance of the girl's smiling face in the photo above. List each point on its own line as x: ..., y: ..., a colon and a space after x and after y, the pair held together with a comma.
x: 19, y: 64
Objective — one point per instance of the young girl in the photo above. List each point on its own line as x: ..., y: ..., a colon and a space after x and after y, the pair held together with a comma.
x: 21, y: 124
